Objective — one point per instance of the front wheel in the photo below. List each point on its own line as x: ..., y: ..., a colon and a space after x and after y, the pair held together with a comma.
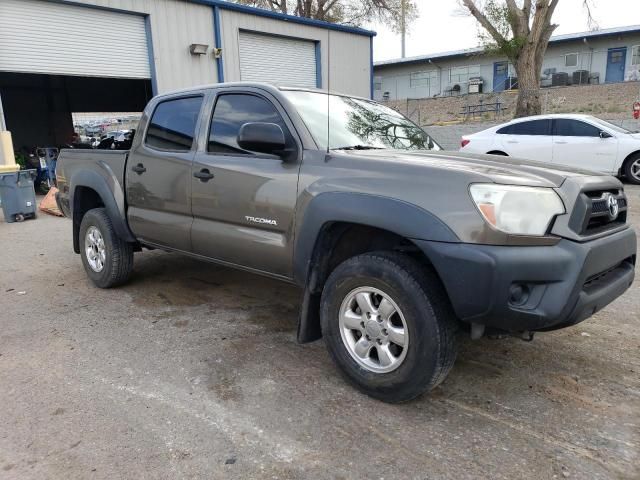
x: 107, y: 259
x: 632, y: 169
x: 388, y: 325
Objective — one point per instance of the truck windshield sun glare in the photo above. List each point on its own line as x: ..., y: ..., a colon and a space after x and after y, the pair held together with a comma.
x: 357, y: 124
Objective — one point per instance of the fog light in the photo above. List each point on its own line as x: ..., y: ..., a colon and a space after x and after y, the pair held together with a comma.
x: 518, y: 294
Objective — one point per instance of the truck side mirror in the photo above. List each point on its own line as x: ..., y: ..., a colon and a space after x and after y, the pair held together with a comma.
x: 261, y: 137
x: 604, y: 134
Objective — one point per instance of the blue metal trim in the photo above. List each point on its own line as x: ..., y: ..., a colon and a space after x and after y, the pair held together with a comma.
x: 77, y: 3
x: 318, y: 65
x: 152, y: 60
x: 281, y: 16
x: 371, y: 64
x: 218, y: 42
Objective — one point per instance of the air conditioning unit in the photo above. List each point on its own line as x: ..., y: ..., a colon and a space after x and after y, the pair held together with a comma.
x: 560, y: 79
x: 580, y: 77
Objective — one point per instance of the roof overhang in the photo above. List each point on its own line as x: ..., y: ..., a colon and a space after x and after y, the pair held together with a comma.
x: 260, y: 12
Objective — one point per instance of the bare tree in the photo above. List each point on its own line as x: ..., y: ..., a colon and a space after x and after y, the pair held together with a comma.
x: 520, y: 31
x: 350, y: 12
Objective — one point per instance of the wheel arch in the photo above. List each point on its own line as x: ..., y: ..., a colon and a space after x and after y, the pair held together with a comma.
x: 89, y: 190
x: 627, y: 159
x: 337, y: 226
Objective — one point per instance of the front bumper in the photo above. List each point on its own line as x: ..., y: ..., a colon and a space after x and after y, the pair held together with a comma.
x: 519, y: 288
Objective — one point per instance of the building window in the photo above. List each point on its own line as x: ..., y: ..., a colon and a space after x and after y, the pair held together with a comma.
x: 635, y: 55
x: 377, y: 83
x: 421, y: 79
x: 571, y: 60
x: 462, y: 74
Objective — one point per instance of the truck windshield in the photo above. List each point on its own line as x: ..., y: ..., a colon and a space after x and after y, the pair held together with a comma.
x: 357, y: 124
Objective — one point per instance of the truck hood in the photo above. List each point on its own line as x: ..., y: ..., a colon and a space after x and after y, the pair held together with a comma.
x: 499, y: 169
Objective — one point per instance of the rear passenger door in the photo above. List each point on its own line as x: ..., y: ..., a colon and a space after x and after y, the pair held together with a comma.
x: 244, y: 201
x: 530, y: 140
x: 578, y: 144
x: 158, y: 175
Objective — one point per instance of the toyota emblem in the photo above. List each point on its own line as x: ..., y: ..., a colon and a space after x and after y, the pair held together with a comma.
x: 612, y: 206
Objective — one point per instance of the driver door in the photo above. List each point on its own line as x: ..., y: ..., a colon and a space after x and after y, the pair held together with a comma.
x: 243, y: 202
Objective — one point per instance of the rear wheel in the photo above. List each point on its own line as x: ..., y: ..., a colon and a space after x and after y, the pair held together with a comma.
x: 107, y: 259
x: 388, y: 325
x: 632, y: 169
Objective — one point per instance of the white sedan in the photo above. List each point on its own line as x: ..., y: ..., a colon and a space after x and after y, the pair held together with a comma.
x: 580, y: 141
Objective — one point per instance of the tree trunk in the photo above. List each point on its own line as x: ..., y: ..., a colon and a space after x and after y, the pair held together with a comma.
x: 528, y: 71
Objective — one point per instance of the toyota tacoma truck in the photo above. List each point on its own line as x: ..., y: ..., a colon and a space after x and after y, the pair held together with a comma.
x: 398, y: 247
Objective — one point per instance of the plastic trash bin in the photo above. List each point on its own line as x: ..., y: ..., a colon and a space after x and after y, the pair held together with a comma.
x: 17, y: 195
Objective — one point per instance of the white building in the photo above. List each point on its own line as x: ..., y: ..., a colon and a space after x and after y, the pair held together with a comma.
x: 64, y: 56
x: 602, y: 56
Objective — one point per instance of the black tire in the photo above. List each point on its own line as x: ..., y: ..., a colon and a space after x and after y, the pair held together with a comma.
x: 628, y: 164
x: 431, y: 324
x: 119, y: 254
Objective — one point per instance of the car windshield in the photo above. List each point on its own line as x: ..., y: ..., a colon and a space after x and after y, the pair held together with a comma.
x: 357, y: 124
x: 610, y: 125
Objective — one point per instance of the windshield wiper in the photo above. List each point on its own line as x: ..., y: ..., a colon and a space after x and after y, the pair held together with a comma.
x: 358, y: 147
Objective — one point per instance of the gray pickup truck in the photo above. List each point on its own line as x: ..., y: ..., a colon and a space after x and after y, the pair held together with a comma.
x: 398, y: 247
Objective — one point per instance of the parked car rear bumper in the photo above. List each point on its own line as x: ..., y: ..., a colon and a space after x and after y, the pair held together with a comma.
x: 516, y: 288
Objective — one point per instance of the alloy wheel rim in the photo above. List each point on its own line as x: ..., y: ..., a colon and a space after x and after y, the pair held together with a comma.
x: 635, y: 169
x: 373, y: 329
x: 95, y: 250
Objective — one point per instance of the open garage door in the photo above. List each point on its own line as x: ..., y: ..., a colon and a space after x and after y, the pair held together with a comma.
x: 62, y: 39
x: 278, y: 60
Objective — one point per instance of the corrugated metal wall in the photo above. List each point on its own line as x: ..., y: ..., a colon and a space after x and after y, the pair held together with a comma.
x: 60, y: 39
x: 175, y: 25
x: 348, y: 64
x: 277, y: 60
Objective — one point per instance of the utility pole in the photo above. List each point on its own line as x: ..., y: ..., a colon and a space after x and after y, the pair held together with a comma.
x: 403, y: 30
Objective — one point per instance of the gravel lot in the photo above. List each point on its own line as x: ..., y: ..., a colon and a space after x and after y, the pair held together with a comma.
x: 192, y: 371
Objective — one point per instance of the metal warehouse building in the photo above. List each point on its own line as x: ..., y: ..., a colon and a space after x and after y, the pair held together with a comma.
x: 64, y: 56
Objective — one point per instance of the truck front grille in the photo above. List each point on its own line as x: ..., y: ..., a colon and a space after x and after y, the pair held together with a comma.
x: 599, y: 216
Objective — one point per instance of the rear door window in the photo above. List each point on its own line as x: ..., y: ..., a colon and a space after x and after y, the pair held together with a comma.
x: 565, y: 127
x: 533, y: 127
x: 173, y: 124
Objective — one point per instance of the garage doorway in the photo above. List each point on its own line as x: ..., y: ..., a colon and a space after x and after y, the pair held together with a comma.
x: 38, y: 108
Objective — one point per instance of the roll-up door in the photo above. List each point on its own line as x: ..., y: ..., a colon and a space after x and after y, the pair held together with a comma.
x: 61, y: 39
x: 278, y: 60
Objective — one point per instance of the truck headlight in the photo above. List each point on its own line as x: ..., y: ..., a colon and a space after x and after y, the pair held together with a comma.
x: 517, y: 210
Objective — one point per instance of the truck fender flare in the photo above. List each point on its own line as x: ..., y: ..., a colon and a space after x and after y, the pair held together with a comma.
x: 396, y: 216
x: 98, y: 183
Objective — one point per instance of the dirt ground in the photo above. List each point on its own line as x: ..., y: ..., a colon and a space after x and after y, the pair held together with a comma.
x: 193, y: 371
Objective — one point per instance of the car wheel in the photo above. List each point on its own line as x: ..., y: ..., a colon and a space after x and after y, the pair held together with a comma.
x: 632, y: 169
x: 388, y: 325
x: 107, y: 259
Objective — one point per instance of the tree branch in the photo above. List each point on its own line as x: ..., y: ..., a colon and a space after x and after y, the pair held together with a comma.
x: 484, y: 21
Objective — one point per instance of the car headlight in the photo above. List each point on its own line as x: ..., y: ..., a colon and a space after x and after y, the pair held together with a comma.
x: 517, y: 210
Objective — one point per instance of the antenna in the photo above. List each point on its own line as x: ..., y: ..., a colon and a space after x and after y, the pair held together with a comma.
x: 328, y: 88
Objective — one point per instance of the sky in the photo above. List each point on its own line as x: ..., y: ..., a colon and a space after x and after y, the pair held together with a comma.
x: 442, y: 25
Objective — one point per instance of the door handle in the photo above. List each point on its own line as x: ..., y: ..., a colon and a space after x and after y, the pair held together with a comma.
x: 561, y: 143
x: 512, y: 141
x: 204, y: 175
x: 139, y: 169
